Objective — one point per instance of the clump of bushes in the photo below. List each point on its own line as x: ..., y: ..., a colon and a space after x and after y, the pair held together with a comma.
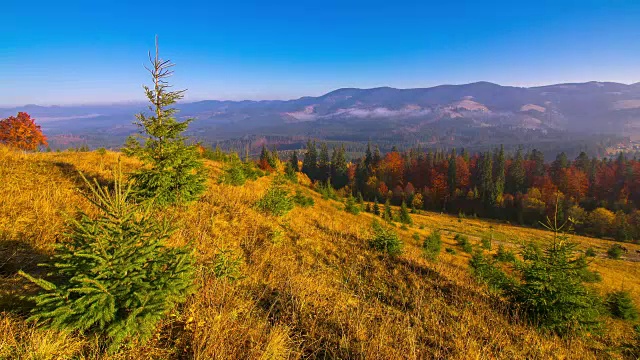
x: 326, y: 190
x: 621, y: 306
x: 236, y: 172
x: 302, y: 200
x: 385, y: 240
x: 504, y: 255
x: 463, y: 242
x: 351, y: 206
x: 276, y: 201
x: 615, y: 251
x: 485, y: 242
x: 432, y: 245
x: 590, y: 252
x: 487, y: 271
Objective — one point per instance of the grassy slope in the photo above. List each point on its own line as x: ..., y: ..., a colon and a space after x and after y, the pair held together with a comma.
x: 312, y: 288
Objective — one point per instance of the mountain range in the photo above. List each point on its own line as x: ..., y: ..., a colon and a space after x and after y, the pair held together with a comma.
x: 442, y: 115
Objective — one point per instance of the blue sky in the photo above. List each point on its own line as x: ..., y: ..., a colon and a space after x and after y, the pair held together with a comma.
x: 68, y: 52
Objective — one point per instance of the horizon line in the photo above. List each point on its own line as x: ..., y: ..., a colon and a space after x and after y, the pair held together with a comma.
x: 191, y: 101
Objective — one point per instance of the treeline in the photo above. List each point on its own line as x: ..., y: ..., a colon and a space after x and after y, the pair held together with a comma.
x: 600, y: 196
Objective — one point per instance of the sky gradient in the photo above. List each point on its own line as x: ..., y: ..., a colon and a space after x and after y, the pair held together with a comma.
x: 76, y: 52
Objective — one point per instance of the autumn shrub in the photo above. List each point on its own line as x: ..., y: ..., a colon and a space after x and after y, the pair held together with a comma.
x: 600, y: 222
x: 463, y: 242
x: 485, y: 243
x: 302, y: 200
x: 615, y: 251
x: 114, y: 276
x: 276, y: 201
x: 432, y: 245
x: 326, y: 190
x: 233, y: 174
x: 504, y: 255
x: 385, y: 240
x: 620, y: 305
x: 590, y: 252
x: 489, y: 272
x: 351, y: 206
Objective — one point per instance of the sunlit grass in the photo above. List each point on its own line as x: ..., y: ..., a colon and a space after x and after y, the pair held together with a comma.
x: 311, y: 286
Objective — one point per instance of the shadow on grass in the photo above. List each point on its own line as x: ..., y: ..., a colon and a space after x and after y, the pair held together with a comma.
x: 18, y: 255
x: 71, y: 172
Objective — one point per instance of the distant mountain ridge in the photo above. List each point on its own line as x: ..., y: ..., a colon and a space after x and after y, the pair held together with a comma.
x: 381, y: 113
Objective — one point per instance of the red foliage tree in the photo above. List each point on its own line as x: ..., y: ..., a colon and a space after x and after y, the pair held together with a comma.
x: 574, y: 183
x: 393, y: 168
x: 21, y: 132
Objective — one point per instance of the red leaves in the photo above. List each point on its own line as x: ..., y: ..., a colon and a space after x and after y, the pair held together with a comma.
x: 21, y: 132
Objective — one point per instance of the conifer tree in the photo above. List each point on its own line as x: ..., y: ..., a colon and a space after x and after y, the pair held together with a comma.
x: 265, y: 158
x: 324, y: 164
x: 293, y: 161
x: 275, y: 159
x: 404, y: 217
x: 486, y: 177
x: 582, y: 162
x: 351, y: 206
x: 368, y: 157
x: 499, y: 180
x: 452, y: 179
x: 376, y: 207
x: 387, y: 214
x: 114, y: 276
x: 517, y: 175
x: 174, y: 172
x: 561, y: 162
x: 339, y: 177
x: 310, y: 161
x: 377, y: 157
x: 538, y: 158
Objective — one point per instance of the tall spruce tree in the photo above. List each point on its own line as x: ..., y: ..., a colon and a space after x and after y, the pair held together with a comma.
x: 516, y: 179
x: 324, y: 163
x: 499, y: 179
x: 114, y: 276
x: 310, y: 161
x: 377, y: 157
x: 368, y: 157
x: 486, y: 177
x: 293, y: 161
x: 582, y: 162
x: 339, y: 168
x: 538, y: 159
x: 452, y: 178
x: 173, y: 171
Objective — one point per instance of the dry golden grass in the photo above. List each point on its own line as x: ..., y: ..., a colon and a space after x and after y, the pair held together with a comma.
x: 311, y: 289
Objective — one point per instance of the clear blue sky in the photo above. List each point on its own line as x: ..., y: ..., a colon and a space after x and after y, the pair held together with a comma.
x: 64, y: 52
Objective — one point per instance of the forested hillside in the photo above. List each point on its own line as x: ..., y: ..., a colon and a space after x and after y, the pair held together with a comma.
x: 306, y: 284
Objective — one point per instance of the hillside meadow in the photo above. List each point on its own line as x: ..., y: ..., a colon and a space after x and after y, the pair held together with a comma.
x: 309, y: 285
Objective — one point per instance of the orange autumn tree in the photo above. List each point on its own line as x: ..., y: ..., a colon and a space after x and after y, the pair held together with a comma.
x: 21, y: 132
